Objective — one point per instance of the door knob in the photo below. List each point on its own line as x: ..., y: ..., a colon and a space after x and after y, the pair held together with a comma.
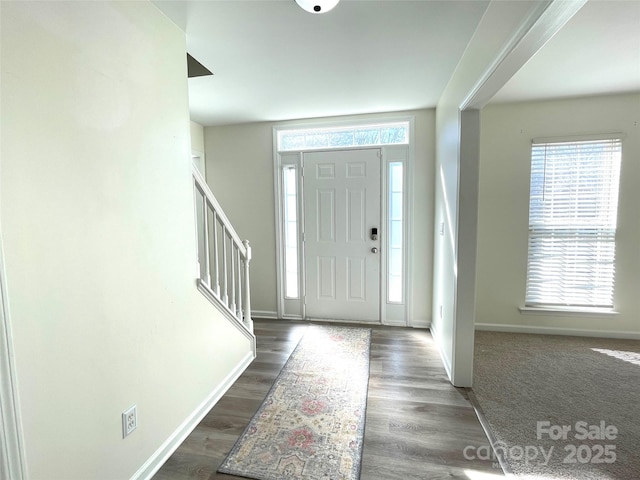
x: 374, y: 250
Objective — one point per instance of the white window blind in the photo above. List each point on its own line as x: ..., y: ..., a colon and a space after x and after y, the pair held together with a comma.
x: 572, y: 223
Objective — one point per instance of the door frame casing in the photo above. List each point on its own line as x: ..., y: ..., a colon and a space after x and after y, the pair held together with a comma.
x: 390, y: 314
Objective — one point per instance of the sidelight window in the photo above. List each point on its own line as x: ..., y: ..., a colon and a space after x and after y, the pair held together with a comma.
x: 291, y: 259
x: 395, y: 252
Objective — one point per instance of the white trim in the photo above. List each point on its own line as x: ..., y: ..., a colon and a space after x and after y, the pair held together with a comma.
x: 466, y: 249
x: 409, y: 199
x: 171, y: 444
x: 476, y: 96
x: 277, y: 197
x: 575, y: 332
x: 12, y: 455
x: 266, y: 314
x: 544, y: 21
x: 568, y: 311
x: 222, y: 308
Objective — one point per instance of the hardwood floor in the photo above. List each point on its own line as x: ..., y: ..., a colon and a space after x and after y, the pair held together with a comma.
x: 417, y: 424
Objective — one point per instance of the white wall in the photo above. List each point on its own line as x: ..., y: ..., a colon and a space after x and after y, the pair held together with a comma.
x: 240, y: 173
x: 98, y: 235
x: 507, y: 130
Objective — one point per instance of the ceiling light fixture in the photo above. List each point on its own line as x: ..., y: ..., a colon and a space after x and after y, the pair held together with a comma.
x: 317, y: 6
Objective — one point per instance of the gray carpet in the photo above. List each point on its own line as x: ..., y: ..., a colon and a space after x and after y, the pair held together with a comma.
x: 523, y: 379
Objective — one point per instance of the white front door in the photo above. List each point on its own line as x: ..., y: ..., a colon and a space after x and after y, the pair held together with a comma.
x: 341, y: 191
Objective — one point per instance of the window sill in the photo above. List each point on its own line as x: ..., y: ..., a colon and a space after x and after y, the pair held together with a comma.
x: 568, y: 311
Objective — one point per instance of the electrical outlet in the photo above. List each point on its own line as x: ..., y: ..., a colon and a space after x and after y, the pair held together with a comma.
x: 129, y: 421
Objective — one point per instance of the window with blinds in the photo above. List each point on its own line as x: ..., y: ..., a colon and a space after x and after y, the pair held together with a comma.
x: 572, y: 222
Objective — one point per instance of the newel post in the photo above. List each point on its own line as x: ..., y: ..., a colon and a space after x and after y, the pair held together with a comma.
x: 247, y: 294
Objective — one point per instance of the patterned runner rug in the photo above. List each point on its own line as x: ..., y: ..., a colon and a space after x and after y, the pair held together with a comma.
x: 311, y: 423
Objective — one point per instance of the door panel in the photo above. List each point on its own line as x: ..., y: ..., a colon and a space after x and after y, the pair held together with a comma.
x: 341, y: 206
x: 326, y: 278
x: 326, y: 215
x: 356, y: 273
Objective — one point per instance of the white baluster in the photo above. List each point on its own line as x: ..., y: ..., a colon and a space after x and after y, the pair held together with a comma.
x: 216, y: 272
x: 225, y: 274
x: 239, y: 293
x: 233, y: 277
x: 247, y: 294
x: 205, y: 228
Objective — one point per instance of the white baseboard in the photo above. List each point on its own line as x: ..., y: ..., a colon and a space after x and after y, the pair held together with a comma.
x: 153, y: 464
x: 434, y: 331
x: 498, y: 327
x: 420, y: 323
x: 264, y: 314
x: 437, y: 339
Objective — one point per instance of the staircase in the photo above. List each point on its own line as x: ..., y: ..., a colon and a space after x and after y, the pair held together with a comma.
x: 223, y: 259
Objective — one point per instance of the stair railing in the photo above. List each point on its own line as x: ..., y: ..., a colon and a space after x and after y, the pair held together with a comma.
x: 223, y: 258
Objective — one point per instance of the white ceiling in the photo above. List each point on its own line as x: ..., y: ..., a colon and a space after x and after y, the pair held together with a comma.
x: 597, y: 52
x: 273, y: 61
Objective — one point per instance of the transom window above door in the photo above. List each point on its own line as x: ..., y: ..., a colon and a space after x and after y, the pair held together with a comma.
x: 343, y: 137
